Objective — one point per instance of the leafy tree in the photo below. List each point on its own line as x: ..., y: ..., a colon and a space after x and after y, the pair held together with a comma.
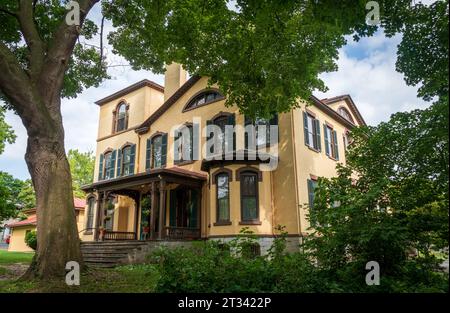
x: 31, y: 239
x: 263, y: 54
x: 397, y: 204
x: 6, y: 133
x: 81, y: 169
x: 9, y: 193
x: 26, y: 196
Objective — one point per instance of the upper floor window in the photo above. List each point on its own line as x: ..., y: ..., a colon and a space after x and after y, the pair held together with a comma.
x: 126, y: 158
x: 156, y: 153
x: 225, y: 143
x: 347, y: 139
x: 331, y: 143
x: 345, y: 114
x: 183, y: 148
x: 203, y: 98
x: 311, y: 127
x: 121, y: 117
x: 261, y: 134
x: 107, y: 164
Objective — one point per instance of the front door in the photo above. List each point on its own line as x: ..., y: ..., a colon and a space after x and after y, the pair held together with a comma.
x: 184, y: 208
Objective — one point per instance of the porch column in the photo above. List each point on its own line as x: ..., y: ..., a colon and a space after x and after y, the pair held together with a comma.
x: 153, y: 210
x: 98, y: 215
x: 162, y: 207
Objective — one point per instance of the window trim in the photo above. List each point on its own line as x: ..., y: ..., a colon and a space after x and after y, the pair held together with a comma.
x: 181, y: 161
x: 122, y: 163
x: 343, y: 108
x: 152, y: 138
x: 108, y: 151
x: 187, y: 107
x: 332, y: 143
x: 115, y: 116
x: 242, y: 171
x: 315, y: 135
x: 229, y: 174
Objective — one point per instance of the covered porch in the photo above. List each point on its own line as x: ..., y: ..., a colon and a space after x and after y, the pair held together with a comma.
x: 161, y: 204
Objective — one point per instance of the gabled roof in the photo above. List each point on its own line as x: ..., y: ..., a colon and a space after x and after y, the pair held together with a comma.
x: 348, y: 99
x: 143, y: 128
x: 29, y: 221
x: 131, y: 88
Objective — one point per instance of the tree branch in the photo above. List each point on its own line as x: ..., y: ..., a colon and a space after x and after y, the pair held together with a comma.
x: 60, y: 51
x: 8, y: 12
x: 31, y: 36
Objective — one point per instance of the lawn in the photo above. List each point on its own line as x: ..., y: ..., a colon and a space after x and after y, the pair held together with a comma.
x: 7, y: 257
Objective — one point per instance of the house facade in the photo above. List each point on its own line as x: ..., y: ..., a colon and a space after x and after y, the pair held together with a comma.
x: 18, y: 229
x: 167, y: 166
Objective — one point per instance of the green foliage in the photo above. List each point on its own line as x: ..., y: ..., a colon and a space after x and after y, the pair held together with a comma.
x: 395, y: 208
x: 27, y: 196
x: 6, y: 132
x: 81, y: 169
x: 31, y: 239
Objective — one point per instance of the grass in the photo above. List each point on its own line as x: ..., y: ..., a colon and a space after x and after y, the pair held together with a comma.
x: 7, y: 257
x: 123, y: 279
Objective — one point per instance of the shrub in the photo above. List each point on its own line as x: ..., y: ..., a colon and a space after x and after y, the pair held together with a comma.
x: 31, y: 240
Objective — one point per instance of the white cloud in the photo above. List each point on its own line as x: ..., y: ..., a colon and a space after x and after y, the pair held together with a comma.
x: 367, y: 73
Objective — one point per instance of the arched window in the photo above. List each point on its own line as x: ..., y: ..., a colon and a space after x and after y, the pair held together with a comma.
x: 183, y: 148
x: 249, y: 195
x: 345, y: 114
x: 121, y: 117
x: 108, y: 168
x: 90, y: 214
x: 223, y: 197
x: 127, y: 160
x: 203, y: 98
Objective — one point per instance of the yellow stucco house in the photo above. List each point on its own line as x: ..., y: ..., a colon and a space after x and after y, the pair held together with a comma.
x: 20, y: 228
x: 151, y: 183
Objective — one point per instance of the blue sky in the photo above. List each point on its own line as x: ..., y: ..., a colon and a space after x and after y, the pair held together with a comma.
x: 366, y: 72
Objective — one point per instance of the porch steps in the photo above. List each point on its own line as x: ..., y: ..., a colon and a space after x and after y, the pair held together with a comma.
x: 109, y: 253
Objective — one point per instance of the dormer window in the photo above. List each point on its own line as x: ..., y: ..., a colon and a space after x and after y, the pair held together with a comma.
x: 345, y: 114
x: 121, y: 117
x: 202, y: 99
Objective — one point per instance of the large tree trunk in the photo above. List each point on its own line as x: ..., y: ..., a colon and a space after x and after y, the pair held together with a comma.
x: 57, y: 234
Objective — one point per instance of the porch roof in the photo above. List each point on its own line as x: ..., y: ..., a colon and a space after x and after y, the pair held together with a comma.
x: 172, y: 174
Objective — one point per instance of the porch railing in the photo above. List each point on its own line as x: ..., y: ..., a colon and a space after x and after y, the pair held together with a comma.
x: 181, y: 233
x: 119, y: 235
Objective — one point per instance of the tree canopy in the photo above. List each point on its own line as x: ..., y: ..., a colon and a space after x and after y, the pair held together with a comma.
x: 81, y: 169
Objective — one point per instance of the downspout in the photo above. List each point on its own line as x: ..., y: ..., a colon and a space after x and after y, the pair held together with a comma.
x: 295, y: 173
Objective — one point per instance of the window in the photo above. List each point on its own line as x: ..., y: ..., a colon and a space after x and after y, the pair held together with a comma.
x: 222, y: 121
x: 311, y: 131
x: 223, y: 197
x: 311, y: 187
x: 203, y: 98
x: 331, y: 144
x: 347, y: 139
x: 90, y: 213
x: 156, y: 153
x: 125, y: 162
x: 261, y: 136
x: 345, y: 114
x: 249, y: 196
x: 121, y: 117
x: 183, y: 149
x: 109, y: 160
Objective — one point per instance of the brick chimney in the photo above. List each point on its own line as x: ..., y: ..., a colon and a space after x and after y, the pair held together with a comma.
x: 175, y: 76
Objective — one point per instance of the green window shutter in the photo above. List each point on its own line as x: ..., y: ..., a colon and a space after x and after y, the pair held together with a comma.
x: 325, y: 134
x: 100, y: 168
x: 318, y: 139
x: 305, y: 128
x: 336, y: 150
x: 173, y: 209
x: 148, y: 152
x: 176, y: 146
x: 132, y: 159
x: 232, y: 122
x: 311, y: 193
x: 113, y: 164
x: 163, y: 150
x: 119, y: 162
x: 208, y: 137
x: 195, y: 141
